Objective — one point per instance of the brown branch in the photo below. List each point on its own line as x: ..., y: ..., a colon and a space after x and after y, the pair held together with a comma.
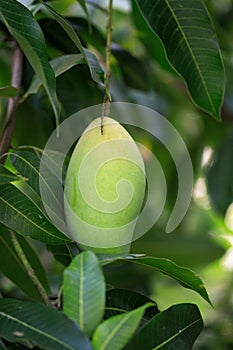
x: 16, y: 78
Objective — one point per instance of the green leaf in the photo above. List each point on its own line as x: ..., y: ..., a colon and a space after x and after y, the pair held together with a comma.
x: 96, y: 71
x: 84, y: 7
x: 64, y: 253
x: 20, y: 214
x: 27, y: 32
x: 28, y: 165
x: 123, y: 301
x: 186, y: 31
x: 43, y: 326
x: 175, y: 328
x: 84, y: 291
x: 60, y: 65
x: 115, y: 332
x: 12, y: 268
x: 9, y: 91
x: 6, y: 176
x: 187, y: 278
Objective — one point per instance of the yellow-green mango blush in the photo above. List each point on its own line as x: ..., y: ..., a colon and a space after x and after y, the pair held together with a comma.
x: 104, y: 189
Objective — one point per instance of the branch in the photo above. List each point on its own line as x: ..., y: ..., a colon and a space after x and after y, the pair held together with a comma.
x: 16, y: 78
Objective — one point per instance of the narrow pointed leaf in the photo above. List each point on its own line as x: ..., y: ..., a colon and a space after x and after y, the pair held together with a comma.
x: 9, y: 91
x: 43, y: 326
x: 20, y: 214
x: 60, y: 65
x: 96, y: 71
x: 175, y: 328
x: 187, y: 278
x: 115, y: 332
x: 12, y: 268
x: 187, y: 33
x: 27, y: 32
x: 6, y: 176
x: 84, y: 291
x: 28, y: 165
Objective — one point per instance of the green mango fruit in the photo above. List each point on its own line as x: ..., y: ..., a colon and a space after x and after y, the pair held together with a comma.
x: 104, y: 189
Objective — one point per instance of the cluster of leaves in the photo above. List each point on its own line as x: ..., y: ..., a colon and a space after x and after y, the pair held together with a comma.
x: 91, y: 317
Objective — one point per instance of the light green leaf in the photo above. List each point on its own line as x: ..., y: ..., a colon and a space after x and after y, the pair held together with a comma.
x: 173, y: 329
x: 43, y: 326
x: 9, y: 91
x: 187, y: 278
x: 187, y: 33
x: 115, y: 332
x: 60, y: 65
x: 27, y: 32
x: 20, y: 214
x: 84, y: 291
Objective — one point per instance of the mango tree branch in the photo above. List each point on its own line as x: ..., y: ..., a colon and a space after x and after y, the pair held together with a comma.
x: 16, y: 78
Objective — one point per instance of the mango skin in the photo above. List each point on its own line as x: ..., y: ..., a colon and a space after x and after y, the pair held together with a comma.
x: 104, y: 189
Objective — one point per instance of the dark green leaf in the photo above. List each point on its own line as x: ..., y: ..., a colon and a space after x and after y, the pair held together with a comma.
x: 93, y: 64
x: 6, y: 176
x: 187, y: 278
x: 41, y: 325
x: 12, y: 268
x: 173, y: 329
x: 60, y: 65
x: 28, y: 165
x: 123, y: 300
x: 115, y: 332
x: 20, y: 214
x: 27, y: 32
x: 64, y: 253
x: 84, y: 7
x: 84, y: 291
x: 9, y: 91
x: 186, y: 31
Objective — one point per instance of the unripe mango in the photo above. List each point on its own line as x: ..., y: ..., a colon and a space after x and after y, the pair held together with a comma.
x: 104, y: 188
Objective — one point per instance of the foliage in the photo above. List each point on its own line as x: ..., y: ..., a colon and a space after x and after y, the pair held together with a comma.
x: 165, y: 55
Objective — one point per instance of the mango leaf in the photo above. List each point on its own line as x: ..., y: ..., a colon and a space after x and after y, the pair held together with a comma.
x: 12, y: 268
x: 43, y: 326
x: 84, y: 7
x: 96, y: 71
x: 115, y: 332
x: 186, y: 31
x: 187, y: 278
x: 84, y: 291
x: 27, y: 32
x: 28, y: 165
x: 6, y: 176
x: 175, y: 328
x: 20, y: 214
x: 9, y: 91
x: 60, y: 65
x: 122, y: 301
x: 64, y: 253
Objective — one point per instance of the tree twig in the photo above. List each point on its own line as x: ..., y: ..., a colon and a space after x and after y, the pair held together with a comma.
x: 16, y: 78
x: 107, y: 96
x: 30, y: 271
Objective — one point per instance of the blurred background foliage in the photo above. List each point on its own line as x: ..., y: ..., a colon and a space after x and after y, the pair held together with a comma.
x: 142, y: 74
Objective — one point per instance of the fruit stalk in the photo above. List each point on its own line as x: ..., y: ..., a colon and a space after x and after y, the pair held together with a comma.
x: 107, y: 95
